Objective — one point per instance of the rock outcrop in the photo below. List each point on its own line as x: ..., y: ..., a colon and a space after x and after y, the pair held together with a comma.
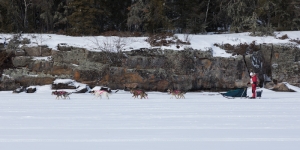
x: 152, y: 69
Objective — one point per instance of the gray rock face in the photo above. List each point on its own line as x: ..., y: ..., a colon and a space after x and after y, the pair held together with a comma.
x: 158, y: 70
x: 21, y: 61
x: 8, y: 83
x: 285, y: 64
x: 20, y: 52
x: 39, y: 51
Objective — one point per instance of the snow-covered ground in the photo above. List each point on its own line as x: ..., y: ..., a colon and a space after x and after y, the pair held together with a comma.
x: 199, y: 42
x: 202, y: 121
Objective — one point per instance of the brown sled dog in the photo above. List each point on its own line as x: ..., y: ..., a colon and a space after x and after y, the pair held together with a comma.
x: 62, y: 94
x: 137, y: 93
x: 178, y: 94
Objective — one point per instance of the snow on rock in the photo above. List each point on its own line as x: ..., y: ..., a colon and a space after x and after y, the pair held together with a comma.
x: 294, y: 88
x: 199, y: 42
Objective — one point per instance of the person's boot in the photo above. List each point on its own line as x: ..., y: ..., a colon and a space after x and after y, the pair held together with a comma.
x: 253, y: 95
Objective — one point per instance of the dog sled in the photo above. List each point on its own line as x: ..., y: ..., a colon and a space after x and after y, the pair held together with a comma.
x: 240, y: 92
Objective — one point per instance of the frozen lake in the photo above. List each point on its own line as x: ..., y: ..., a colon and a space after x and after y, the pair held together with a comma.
x: 203, y: 120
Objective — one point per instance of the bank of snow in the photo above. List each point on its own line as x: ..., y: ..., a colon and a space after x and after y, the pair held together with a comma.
x: 199, y: 42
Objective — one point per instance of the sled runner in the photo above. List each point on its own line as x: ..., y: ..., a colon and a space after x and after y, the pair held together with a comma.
x: 240, y: 92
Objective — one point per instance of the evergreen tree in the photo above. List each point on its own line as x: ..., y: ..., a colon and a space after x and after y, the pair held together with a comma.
x: 197, y: 22
x: 117, y: 11
x: 240, y: 12
x: 219, y: 21
x: 286, y: 15
x: 12, y: 15
x: 83, y: 17
x: 191, y: 16
x: 294, y: 7
x: 265, y: 11
x: 43, y: 14
x: 91, y: 17
x: 60, y: 21
x: 155, y: 17
x: 136, y: 16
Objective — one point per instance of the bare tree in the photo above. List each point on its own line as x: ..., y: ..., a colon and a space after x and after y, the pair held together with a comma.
x: 26, y: 5
x: 110, y: 45
x: 187, y: 37
x: 206, y: 11
x: 39, y: 40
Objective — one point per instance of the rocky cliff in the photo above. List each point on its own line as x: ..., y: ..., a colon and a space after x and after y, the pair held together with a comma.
x: 150, y: 69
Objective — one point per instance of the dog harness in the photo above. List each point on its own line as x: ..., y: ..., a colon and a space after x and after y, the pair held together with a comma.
x: 176, y: 91
x: 100, y: 91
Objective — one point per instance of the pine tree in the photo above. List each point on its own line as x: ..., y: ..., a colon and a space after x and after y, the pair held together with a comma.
x: 220, y: 21
x: 197, y: 22
x: 117, y: 17
x: 42, y: 15
x: 294, y: 6
x: 155, y: 16
x: 279, y: 14
x: 83, y: 17
x: 240, y: 12
x: 136, y: 16
x: 60, y: 21
x: 12, y: 15
x: 287, y: 14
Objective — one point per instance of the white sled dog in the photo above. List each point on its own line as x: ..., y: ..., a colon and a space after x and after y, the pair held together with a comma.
x: 99, y: 93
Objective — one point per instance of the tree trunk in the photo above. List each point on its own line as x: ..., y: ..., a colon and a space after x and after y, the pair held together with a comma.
x: 207, y: 11
x: 25, y: 15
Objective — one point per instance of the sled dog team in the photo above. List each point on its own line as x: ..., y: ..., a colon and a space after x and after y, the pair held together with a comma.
x: 136, y: 94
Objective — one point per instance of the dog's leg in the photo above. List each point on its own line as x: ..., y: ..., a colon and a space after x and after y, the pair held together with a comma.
x: 179, y: 96
x: 67, y: 96
x: 97, y: 95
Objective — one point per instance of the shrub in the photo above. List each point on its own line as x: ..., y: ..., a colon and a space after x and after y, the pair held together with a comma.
x: 296, y: 40
x: 283, y: 37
